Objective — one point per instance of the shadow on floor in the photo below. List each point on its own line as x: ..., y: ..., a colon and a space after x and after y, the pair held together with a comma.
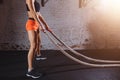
x: 13, y: 65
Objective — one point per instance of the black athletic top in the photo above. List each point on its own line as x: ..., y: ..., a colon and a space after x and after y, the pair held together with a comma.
x: 37, y: 6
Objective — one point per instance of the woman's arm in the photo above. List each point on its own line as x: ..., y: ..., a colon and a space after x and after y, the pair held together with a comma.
x: 44, y: 22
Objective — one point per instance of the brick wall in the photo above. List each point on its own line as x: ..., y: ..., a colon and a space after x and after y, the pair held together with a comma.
x: 80, y: 28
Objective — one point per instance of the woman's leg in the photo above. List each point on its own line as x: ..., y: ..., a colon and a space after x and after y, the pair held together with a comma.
x: 32, y: 39
x: 38, y: 47
x: 38, y: 43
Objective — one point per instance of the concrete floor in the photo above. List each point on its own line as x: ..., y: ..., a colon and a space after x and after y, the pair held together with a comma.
x: 13, y: 66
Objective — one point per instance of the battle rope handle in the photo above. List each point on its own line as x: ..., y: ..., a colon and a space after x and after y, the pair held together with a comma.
x: 79, y: 54
x: 77, y: 60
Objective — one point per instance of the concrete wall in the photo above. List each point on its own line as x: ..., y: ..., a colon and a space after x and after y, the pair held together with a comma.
x: 80, y: 28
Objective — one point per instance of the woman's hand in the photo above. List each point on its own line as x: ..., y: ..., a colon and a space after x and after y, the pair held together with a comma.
x: 45, y: 28
x: 48, y: 28
x: 42, y: 28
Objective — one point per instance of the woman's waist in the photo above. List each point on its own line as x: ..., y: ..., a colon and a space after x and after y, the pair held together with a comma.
x: 30, y: 18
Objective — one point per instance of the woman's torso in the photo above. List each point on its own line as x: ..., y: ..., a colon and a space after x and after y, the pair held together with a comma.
x: 37, y: 9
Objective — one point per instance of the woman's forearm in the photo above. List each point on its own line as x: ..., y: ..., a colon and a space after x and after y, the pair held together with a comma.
x: 43, y: 21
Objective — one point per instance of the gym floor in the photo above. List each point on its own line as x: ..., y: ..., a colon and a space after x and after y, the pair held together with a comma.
x: 13, y: 66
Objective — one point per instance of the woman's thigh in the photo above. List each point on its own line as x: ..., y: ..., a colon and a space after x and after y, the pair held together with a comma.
x: 32, y: 36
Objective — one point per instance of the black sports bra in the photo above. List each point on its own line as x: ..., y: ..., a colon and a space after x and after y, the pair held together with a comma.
x: 37, y: 6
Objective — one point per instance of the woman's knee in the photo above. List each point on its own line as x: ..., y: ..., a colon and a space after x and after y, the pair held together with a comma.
x: 33, y: 45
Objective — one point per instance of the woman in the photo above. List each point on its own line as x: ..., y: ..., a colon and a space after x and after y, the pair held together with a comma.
x: 33, y: 26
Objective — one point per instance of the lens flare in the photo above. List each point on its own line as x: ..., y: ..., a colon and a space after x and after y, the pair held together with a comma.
x: 111, y: 8
x: 111, y: 3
